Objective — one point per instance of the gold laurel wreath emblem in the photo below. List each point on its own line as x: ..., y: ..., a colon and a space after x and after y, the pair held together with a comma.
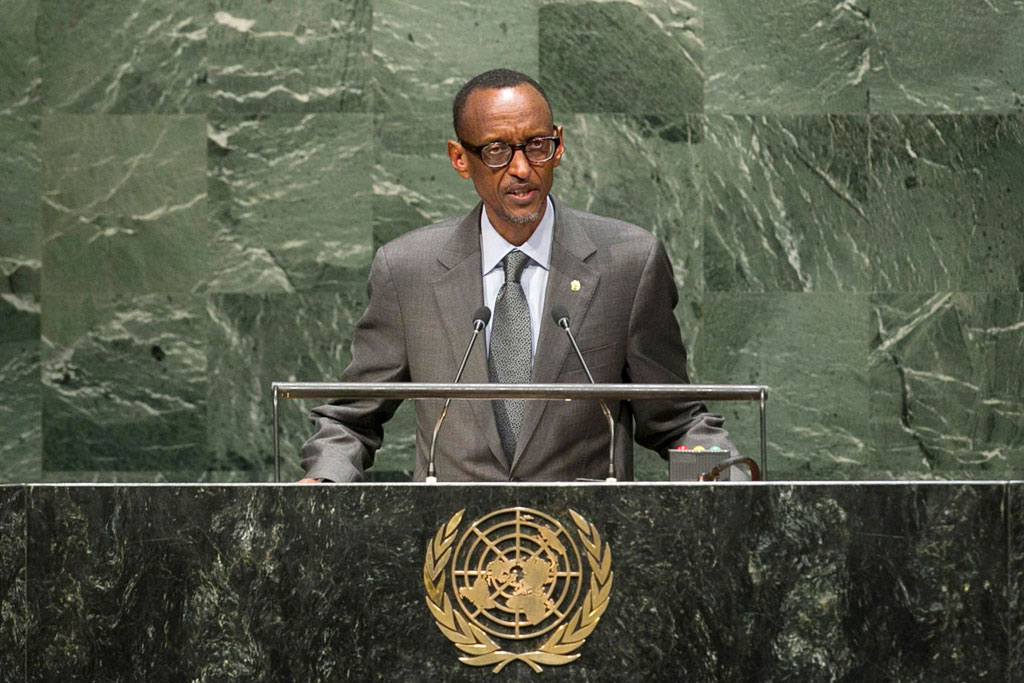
x: 480, y: 650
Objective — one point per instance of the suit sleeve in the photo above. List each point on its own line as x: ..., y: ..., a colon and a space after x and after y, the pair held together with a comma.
x: 655, y: 355
x: 347, y: 433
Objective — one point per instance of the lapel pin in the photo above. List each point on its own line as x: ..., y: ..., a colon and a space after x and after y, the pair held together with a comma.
x: 574, y: 285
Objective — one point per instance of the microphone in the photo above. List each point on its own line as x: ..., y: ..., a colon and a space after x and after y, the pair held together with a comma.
x: 561, y: 317
x: 481, y: 317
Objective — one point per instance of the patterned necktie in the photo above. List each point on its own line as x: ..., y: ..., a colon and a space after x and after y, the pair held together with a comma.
x: 511, y: 349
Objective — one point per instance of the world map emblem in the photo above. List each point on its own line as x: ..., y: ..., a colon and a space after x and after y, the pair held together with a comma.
x: 508, y: 588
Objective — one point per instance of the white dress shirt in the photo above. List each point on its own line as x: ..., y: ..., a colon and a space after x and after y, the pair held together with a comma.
x: 493, y: 248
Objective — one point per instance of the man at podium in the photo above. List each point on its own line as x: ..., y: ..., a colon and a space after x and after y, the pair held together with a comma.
x: 522, y: 254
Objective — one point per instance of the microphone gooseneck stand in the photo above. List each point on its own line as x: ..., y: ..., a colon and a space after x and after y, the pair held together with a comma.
x: 481, y: 317
x: 561, y: 318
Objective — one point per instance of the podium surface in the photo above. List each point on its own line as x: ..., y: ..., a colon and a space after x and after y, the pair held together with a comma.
x: 774, y: 581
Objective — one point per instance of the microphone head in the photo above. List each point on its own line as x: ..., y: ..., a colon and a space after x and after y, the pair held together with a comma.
x: 560, y: 315
x: 482, y: 316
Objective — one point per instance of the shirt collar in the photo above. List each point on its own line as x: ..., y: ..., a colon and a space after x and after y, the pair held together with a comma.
x: 493, y: 246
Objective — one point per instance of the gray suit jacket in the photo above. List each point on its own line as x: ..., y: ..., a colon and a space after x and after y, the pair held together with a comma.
x: 424, y: 288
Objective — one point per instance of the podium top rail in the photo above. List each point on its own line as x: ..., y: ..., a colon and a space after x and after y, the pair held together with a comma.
x: 565, y: 392
x: 695, y: 392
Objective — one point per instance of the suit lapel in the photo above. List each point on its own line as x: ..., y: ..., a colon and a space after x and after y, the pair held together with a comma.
x: 570, y: 248
x: 458, y: 293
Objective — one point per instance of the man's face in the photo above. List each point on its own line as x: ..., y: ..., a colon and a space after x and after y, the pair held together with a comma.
x: 514, y: 195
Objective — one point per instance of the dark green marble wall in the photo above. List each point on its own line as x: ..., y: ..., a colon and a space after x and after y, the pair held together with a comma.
x: 190, y: 194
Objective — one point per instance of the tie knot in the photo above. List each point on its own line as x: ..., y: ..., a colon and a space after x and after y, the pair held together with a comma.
x: 515, y: 262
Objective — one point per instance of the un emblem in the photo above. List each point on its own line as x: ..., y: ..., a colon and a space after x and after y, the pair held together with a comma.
x: 516, y: 575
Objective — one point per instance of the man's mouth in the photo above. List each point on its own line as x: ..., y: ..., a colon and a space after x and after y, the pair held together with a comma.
x: 522, y: 193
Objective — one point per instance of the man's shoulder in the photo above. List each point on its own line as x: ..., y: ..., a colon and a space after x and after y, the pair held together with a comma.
x: 604, y: 230
x: 428, y: 238
x: 421, y: 252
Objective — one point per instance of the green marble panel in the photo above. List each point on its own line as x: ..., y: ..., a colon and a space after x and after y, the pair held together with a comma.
x: 259, y: 339
x: 946, y: 205
x: 803, y: 578
x: 947, y: 395
x: 423, y: 52
x: 785, y: 57
x: 13, y: 582
x: 289, y: 57
x: 20, y: 68
x: 786, y: 203
x: 711, y: 583
x: 124, y: 383
x: 124, y: 204
x: 290, y: 200
x: 947, y: 56
x: 414, y: 183
x: 1015, y: 514
x: 123, y: 58
x: 811, y: 350
x: 19, y: 149
x: 926, y: 579
x: 648, y: 465
x: 20, y: 413
x: 20, y: 260
x: 20, y: 79
x: 638, y: 58
x: 641, y: 169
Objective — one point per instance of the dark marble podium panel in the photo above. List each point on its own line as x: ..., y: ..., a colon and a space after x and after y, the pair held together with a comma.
x: 755, y: 582
x: 13, y: 616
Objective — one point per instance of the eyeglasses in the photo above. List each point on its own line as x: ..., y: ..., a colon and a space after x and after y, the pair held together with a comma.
x: 498, y: 154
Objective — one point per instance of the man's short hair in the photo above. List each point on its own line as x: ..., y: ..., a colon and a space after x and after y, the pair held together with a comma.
x: 494, y: 79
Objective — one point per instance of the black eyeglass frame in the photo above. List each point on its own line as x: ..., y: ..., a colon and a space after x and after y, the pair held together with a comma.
x: 515, y: 147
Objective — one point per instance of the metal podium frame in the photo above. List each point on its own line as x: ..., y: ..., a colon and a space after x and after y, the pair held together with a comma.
x: 565, y: 392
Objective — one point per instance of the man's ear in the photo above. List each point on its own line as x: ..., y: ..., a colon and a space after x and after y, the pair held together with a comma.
x: 561, y: 146
x: 457, y: 155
